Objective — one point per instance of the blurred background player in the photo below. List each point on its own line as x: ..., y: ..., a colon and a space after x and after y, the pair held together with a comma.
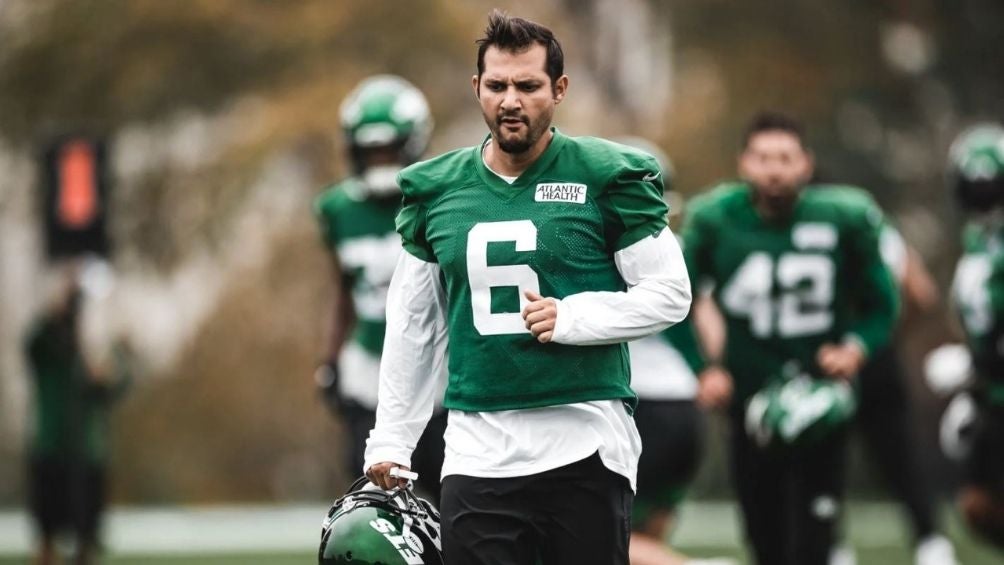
x: 798, y: 276
x: 973, y: 425
x: 387, y: 125
x: 75, y: 384
x: 884, y: 418
x: 669, y: 422
x: 883, y: 415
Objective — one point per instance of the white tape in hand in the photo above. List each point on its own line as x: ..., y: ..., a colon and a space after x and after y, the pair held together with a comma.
x: 400, y: 473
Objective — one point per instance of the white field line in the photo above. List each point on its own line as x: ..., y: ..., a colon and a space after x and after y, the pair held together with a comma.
x: 296, y: 528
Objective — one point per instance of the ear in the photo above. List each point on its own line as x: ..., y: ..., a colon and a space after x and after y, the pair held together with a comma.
x: 810, y: 165
x: 475, y: 83
x: 560, y: 88
x: 741, y: 160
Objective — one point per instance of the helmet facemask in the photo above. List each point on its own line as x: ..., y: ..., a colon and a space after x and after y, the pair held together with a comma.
x: 385, y: 114
x: 976, y: 168
x: 372, y: 526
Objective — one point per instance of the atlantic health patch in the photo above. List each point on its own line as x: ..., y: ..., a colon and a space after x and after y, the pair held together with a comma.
x: 560, y: 192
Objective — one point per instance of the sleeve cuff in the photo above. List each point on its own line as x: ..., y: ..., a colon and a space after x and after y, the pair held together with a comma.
x: 856, y: 339
x: 381, y: 454
x: 563, y: 322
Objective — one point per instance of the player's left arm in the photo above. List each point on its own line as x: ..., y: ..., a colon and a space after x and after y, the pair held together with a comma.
x: 649, y: 260
x: 875, y: 294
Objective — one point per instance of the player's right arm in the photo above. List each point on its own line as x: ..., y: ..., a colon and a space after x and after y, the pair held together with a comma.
x: 342, y: 315
x: 413, y: 354
x: 715, y: 383
x: 414, y: 351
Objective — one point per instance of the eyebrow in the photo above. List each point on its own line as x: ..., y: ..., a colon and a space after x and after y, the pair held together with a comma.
x: 519, y: 82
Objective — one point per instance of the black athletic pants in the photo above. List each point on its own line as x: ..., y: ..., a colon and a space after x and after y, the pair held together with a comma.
x: 884, y: 422
x: 67, y: 496
x: 573, y: 515
x: 791, y: 500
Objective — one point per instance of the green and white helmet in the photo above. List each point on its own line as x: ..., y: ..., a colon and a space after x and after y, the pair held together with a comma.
x: 976, y: 166
x: 386, y: 111
x: 369, y: 526
x: 800, y: 411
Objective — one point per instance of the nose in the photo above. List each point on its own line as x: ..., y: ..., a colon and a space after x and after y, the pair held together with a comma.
x: 773, y: 170
x: 511, y: 99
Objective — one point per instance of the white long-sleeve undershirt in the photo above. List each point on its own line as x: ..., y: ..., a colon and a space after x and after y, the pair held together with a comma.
x: 521, y: 442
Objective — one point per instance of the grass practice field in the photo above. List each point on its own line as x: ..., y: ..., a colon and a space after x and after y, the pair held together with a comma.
x: 286, y: 536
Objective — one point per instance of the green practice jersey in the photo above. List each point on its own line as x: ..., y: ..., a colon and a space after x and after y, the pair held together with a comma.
x: 787, y: 287
x: 978, y: 293
x: 361, y: 231
x: 554, y: 231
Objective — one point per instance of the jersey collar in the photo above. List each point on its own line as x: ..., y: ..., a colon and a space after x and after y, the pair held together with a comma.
x: 526, y: 179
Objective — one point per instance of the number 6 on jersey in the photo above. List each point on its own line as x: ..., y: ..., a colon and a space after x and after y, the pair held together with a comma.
x: 483, y: 277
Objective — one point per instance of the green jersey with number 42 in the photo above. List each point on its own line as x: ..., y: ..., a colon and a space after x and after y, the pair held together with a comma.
x: 553, y: 231
x: 361, y: 231
x: 978, y: 294
x: 787, y: 287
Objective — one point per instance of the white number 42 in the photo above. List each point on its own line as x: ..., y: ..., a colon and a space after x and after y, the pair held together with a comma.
x: 804, y: 298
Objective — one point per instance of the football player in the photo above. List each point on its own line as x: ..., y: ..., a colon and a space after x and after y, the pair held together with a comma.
x: 537, y: 255
x: 798, y: 276
x: 387, y: 124
x: 976, y: 162
x: 883, y: 416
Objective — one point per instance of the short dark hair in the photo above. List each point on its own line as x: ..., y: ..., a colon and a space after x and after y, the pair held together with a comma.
x: 772, y: 120
x: 513, y: 34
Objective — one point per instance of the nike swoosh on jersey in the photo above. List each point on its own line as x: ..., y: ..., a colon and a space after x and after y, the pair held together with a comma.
x: 651, y: 176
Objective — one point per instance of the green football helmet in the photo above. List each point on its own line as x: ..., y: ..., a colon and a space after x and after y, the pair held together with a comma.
x: 385, y: 111
x: 800, y: 411
x: 370, y: 526
x: 976, y: 167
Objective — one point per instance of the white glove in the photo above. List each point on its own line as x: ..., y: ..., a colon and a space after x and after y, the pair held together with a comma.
x: 948, y: 368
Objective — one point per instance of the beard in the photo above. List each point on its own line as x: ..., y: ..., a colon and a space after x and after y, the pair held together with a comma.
x: 778, y: 202
x: 518, y: 143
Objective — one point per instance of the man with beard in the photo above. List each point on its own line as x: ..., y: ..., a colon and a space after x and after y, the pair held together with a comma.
x: 537, y: 256
x: 799, y: 278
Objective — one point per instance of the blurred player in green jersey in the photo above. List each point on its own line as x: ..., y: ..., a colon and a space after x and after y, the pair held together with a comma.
x: 973, y: 426
x: 884, y: 417
x: 387, y: 126
x: 883, y: 412
x: 78, y: 372
x: 799, y: 279
x: 536, y: 256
